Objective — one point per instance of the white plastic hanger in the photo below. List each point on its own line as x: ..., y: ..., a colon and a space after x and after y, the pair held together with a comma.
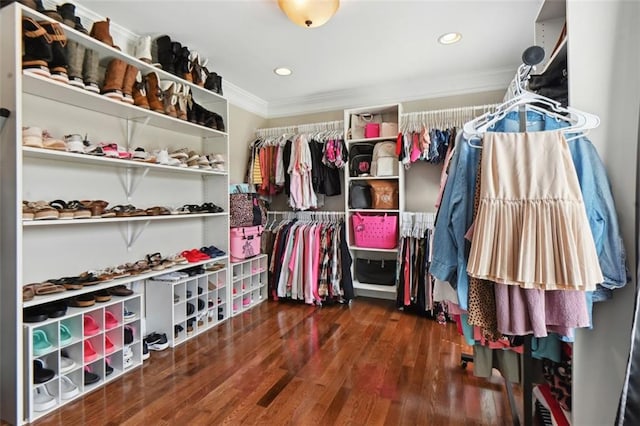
x: 580, y: 121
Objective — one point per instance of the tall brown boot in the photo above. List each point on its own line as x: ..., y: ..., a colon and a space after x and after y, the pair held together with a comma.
x: 100, y: 31
x: 154, y: 93
x: 114, y: 79
x: 127, y: 85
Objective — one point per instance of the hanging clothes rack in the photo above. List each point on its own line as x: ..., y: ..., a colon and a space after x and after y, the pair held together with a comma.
x: 442, y: 118
x: 310, y: 260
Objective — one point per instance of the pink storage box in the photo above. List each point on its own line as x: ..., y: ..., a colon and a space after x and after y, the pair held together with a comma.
x: 371, y: 130
x: 375, y: 231
x: 245, y: 242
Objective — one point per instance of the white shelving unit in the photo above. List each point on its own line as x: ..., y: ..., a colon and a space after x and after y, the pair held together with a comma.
x: 390, y: 113
x: 248, y: 283
x: 77, y: 347
x: 35, y: 251
x: 195, y: 304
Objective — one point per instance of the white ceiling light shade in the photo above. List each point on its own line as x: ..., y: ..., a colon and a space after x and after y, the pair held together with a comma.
x: 449, y: 38
x: 282, y: 71
x: 309, y: 13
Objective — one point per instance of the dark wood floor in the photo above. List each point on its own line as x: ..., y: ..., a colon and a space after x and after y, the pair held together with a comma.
x: 293, y: 364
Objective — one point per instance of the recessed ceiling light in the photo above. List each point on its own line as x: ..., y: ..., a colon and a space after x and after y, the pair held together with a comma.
x: 449, y: 38
x: 282, y: 71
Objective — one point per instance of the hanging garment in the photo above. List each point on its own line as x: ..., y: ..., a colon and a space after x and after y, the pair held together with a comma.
x: 531, y: 220
x: 309, y: 262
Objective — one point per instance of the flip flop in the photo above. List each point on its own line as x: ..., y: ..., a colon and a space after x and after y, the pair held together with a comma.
x: 28, y: 292
x: 48, y: 288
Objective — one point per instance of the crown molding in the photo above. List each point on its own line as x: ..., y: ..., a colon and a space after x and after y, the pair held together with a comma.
x: 401, y: 91
x: 244, y: 99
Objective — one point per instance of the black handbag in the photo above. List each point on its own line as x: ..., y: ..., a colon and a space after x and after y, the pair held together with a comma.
x: 360, y: 196
x: 380, y: 272
x: 360, y: 156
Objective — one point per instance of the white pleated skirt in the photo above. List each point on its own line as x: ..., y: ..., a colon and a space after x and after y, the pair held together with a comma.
x: 531, y: 227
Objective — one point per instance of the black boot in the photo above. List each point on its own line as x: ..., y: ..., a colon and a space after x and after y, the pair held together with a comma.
x: 37, y: 48
x: 183, y: 64
x: 58, y: 64
x: 219, y: 122
x: 176, y: 51
x: 161, y: 53
x: 211, y: 83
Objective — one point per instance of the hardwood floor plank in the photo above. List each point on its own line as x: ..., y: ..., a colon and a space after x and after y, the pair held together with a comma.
x: 286, y: 363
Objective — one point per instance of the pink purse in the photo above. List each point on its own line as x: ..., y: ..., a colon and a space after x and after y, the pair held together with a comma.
x: 375, y: 231
x: 372, y: 130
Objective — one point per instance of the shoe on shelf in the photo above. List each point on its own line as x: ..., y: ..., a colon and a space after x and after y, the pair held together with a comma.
x: 157, y: 342
x: 41, y: 374
x: 66, y: 363
x: 109, y: 346
x: 110, y: 320
x: 65, y: 335
x: 32, y: 136
x: 129, y: 334
x: 177, y: 329
x: 37, y: 51
x: 91, y: 327
x: 127, y: 356
x: 90, y: 353
x: 90, y: 377
x: 68, y: 389
x: 108, y: 369
x: 128, y: 315
x: 75, y: 143
x: 41, y: 344
x: 42, y: 399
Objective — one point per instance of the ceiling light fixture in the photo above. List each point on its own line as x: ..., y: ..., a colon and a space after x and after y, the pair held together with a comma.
x: 309, y: 13
x: 282, y: 71
x: 449, y: 38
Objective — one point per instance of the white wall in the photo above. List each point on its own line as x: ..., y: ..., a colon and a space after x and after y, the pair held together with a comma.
x: 604, y: 61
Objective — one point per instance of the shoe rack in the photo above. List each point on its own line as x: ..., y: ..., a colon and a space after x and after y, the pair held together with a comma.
x: 90, y: 348
x: 33, y: 252
x: 207, y: 294
x: 389, y: 113
x: 249, y: 284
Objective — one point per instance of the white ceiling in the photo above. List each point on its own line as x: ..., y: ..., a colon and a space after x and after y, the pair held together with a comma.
x: 382, y: 50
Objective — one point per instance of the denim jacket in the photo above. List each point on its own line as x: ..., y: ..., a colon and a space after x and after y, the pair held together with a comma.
x: 451, y: 250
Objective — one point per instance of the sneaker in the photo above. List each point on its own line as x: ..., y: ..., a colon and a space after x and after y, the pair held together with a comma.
x: 90, y: 377
x: 145, y: 350
x: 66, y: 364
x: 171, y: 276
x: 177, y: 329
x: 75, y: 143
x: 42, y: 399
x: 128, y: 315
x: 127, y: 355
x: 157, y: 342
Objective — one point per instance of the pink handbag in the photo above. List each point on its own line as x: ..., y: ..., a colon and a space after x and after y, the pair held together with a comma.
x: 375, y: 231
x: 372, y: 130
x: 245, y: 242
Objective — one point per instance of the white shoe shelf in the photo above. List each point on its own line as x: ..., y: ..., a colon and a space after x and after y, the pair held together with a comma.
x: 249, y: 283
x: 36, y: 251
x: 121, y: 356
x: 207, y: 294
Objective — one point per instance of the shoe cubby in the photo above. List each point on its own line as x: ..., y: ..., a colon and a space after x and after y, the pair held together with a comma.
x: 41, y: 250
x: 249, y: 284
x: 193, y: 302
x: 71, y: 352
x: 97, y: 368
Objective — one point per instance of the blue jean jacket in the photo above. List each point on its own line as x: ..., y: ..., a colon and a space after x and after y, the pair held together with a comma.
x: 451, y: 250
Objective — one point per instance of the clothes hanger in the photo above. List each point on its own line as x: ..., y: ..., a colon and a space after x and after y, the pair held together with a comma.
x: 580, y: 121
